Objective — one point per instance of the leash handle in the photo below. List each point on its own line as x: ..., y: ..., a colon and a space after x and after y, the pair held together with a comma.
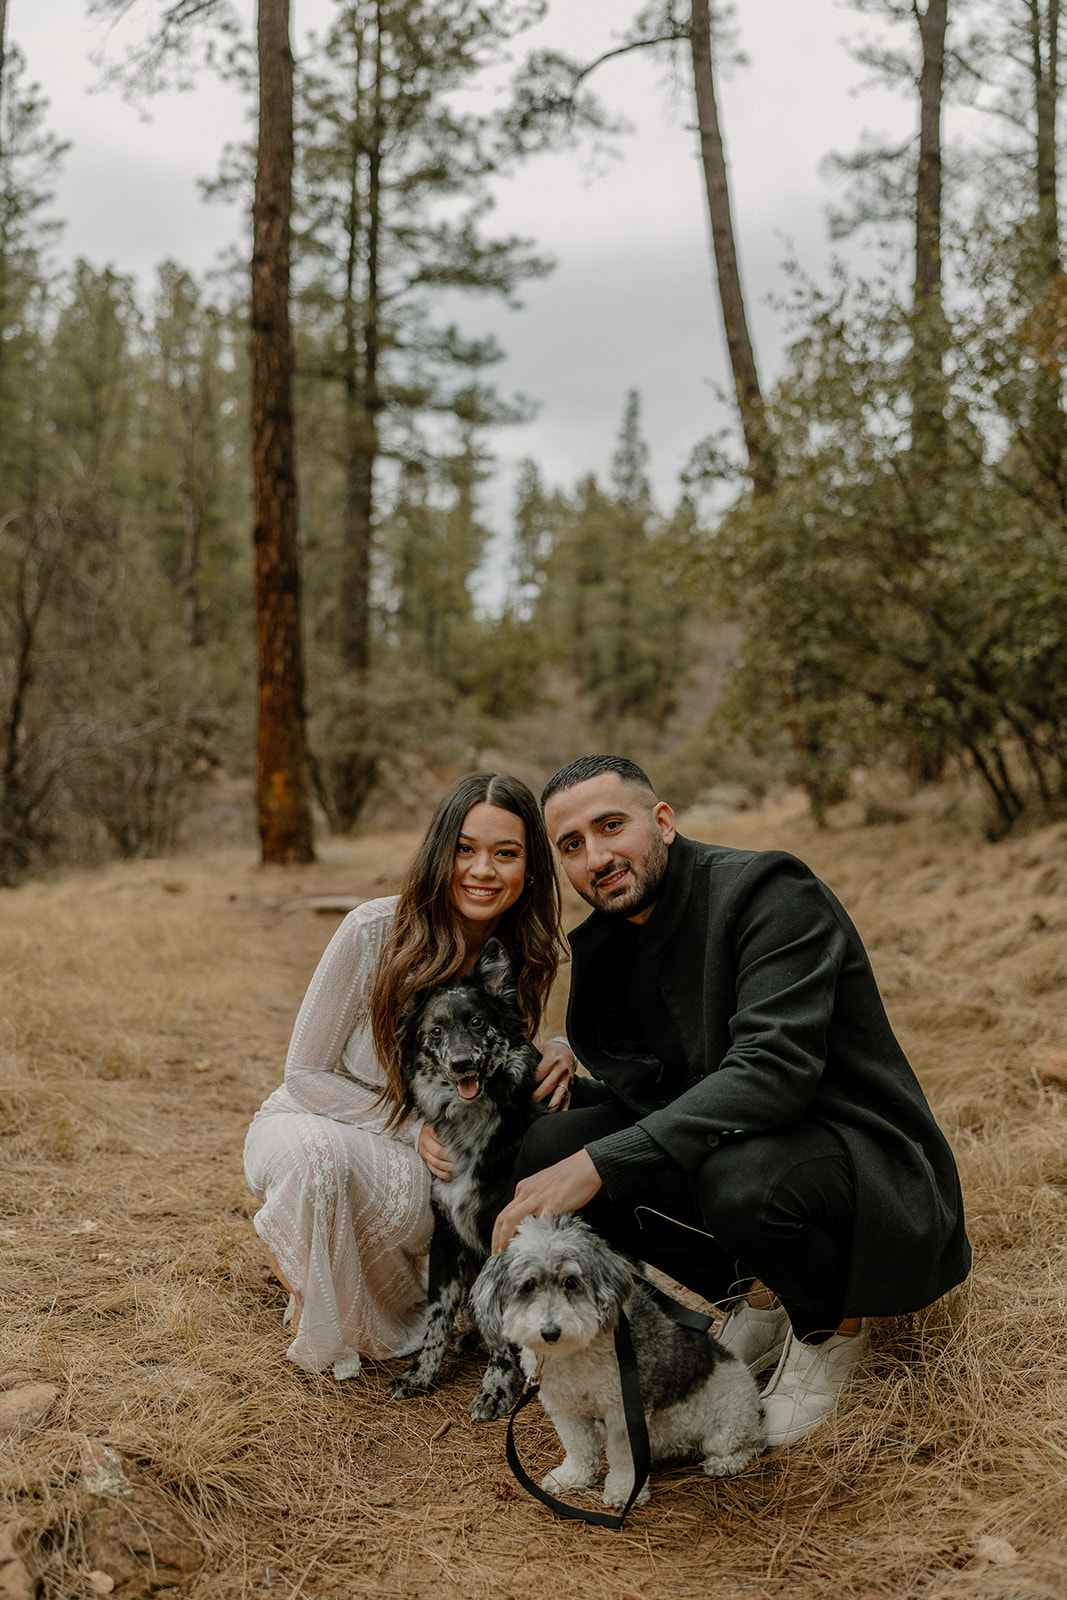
x: 636, y: 1429
x: 682, y: 1315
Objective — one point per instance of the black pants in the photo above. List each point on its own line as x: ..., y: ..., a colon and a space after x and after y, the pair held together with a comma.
x: 778, y: 1207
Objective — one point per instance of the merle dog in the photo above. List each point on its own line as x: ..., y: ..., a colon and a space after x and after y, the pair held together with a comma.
x: 471, y: 1069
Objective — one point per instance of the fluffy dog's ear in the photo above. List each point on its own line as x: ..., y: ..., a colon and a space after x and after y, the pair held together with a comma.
x: 492, y: 971
x: 488, y: 1298
x: 612, y: 1284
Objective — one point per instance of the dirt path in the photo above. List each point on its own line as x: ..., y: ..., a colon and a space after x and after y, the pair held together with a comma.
x: 144, y: 1013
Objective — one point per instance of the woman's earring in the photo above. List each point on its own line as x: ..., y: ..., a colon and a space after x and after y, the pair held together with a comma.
x: 529, y: 879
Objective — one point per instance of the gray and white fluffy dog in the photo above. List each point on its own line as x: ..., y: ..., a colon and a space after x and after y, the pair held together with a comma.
x: 471, y: 1071
x: 556, y: 1292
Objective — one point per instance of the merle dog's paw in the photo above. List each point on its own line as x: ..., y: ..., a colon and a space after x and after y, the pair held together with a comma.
x: 407, y: 1386
x: 489, y: 1405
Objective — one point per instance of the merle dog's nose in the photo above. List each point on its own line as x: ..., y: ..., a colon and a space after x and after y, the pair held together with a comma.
x: 459, y: 1064
x: 550, y: 1332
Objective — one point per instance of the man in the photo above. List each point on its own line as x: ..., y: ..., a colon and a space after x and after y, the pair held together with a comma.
x: 752, y: 1126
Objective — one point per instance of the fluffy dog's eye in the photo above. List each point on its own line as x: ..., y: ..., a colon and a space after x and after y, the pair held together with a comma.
x: 477, y: 1023
x: 436, y: 1031
x: 529, y: 1286
x: 571, y: 1285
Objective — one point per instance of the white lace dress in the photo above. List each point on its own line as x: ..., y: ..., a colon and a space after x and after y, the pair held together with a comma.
x: 346, y: 1203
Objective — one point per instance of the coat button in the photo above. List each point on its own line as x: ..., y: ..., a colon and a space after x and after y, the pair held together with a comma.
x: 712, y: 1141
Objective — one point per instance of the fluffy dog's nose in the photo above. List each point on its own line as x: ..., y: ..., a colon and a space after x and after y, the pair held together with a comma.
x: 550, y: 1332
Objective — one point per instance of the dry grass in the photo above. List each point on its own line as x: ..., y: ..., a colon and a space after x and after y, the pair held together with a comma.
x: 144, y: 1012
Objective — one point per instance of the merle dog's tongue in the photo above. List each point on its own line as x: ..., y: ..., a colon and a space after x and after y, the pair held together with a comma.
x: 468, y: 1088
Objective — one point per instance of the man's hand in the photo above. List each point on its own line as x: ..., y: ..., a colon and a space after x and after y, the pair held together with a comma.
x: 567, y: 1186
x: 554, y: 1074
x: 433, y: 1152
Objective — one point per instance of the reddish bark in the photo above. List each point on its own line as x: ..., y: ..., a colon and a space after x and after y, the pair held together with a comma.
x: 281, y: 749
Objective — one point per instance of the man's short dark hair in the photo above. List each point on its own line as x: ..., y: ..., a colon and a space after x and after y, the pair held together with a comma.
x: 587, y: 767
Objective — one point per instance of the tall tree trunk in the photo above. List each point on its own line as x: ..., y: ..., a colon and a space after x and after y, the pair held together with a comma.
x: 353, y: 771
x: 1047, y: 435
x: 281, y: 752
x: 3, y: 58
x: 362, y: 397
x: 933, y: 26
x: 3, y: 263
x: 1045, y: 57
x: 195, y: 495
x: 929, y: 334
x: 758, y: 442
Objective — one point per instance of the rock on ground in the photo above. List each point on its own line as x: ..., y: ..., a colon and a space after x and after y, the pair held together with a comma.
x: 131, y: 1533
x: 16, y: 1580
x: 23, y: 1407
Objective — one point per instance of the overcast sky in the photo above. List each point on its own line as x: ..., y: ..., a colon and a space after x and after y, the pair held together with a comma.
x: 631, y: 303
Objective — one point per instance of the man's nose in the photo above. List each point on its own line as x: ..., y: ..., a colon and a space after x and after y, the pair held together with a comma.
x: 599, y: 854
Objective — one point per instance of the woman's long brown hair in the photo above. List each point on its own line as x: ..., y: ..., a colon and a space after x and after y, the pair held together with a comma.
x: 426, y: 944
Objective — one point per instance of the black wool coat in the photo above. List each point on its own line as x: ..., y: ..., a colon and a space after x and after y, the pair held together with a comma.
x: 775, y: 1005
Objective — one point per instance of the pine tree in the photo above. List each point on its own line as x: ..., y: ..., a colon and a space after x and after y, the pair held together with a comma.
x: 385, y: 157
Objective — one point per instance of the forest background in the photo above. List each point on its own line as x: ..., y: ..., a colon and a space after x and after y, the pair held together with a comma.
x: 866, y: 567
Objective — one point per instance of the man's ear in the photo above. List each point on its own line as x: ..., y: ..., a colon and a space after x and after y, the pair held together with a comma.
x: 664, y: 819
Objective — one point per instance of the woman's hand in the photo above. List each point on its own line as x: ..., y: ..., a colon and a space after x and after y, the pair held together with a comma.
x: 554, y: 1073
x: 434, y: 1153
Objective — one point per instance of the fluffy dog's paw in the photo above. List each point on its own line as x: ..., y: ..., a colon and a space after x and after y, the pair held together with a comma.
x: 617, y: 1491
x: 727, y: 1466
x: 564, y: 1477
x: 407, y: 1386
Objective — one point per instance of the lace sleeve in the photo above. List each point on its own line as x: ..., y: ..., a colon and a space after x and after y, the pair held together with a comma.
x: 331, y: 1068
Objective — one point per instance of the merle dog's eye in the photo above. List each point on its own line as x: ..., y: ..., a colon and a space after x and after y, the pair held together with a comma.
x: 436, y: 1031
x: 529, y: 1286
x: 572, y: 1285
x: 477, y: 1023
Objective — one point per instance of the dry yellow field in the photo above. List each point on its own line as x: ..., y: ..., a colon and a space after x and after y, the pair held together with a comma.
x: 144, y: 1013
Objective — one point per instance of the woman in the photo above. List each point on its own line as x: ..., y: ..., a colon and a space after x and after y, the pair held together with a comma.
x: 343, y: 1173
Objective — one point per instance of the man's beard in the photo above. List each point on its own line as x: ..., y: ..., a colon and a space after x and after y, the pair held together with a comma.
x: 642, y: 892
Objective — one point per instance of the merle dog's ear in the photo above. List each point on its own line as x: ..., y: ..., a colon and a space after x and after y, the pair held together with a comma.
x: 492, y: 971
x: 407, y: 1028
x: 488, y: 1298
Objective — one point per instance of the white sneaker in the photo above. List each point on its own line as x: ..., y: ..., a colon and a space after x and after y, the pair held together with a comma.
x: 756, y: 1337
x: 806, y: 1383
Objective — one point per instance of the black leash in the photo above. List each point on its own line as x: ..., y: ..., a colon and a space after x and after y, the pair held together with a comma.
x: 636, y: 1429
x: 633, y: 1410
